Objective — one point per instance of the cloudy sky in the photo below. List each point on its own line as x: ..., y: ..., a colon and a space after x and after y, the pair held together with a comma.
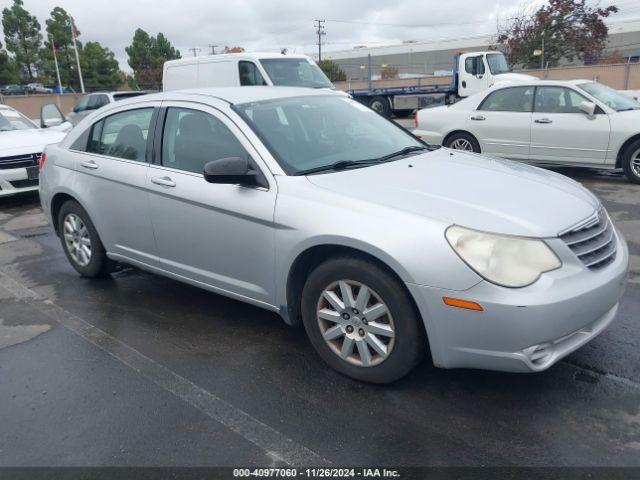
x: 274, y: 24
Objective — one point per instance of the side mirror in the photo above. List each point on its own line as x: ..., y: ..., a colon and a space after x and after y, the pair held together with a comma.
x: 233, y: 171
x: 589, y: 108
x: 51, y: 116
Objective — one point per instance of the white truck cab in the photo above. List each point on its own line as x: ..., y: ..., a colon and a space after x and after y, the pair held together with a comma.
x: 477, y: 71
x: 240, y: 69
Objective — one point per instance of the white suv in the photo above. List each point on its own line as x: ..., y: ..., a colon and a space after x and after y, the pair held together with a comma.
x: 94, y: 101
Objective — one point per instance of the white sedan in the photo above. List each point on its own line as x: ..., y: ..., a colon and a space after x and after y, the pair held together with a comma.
x: 578, y: 122
x: 22, y: 143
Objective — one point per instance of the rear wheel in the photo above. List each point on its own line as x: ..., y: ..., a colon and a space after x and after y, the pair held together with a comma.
x: 381, y: 105
x: 361, y: 320
x: 631, y: 162
x: 463, y: 141
x: 80, y: 241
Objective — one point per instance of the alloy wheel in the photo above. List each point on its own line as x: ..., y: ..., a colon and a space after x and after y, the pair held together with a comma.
x: 462, y: 144
x: 355, y: 323
x: 77, y: 240
x: 635, y: 163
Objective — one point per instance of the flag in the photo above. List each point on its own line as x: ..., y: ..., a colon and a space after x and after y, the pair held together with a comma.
x: 74, y: 30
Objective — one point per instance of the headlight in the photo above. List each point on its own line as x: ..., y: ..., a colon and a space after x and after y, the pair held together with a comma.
x: 503, y: 259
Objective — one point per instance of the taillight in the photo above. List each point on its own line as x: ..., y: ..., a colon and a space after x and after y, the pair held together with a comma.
x: 43, y: 158
x: 415, y: 119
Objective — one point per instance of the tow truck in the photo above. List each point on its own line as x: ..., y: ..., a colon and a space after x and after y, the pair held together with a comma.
x: 472, y: 72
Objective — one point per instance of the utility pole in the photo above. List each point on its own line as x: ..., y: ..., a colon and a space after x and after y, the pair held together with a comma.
x: 542, y: 56
x: 195, y: 51
x: 213, y: 48
x: 321, y: 32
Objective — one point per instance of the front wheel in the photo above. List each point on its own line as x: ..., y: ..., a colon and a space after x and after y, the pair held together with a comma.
x: 631, y: 162
x: 463, y: 141
x: 361, y: 320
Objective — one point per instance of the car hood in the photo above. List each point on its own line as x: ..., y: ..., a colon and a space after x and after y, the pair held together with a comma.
x: 471, y: 190
x: 18, y: 142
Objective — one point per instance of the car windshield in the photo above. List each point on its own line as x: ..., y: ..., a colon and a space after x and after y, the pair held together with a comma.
x: 305, y: 133
x: 295, y: 72
x: 497, y: 63
x: 12, y: 120
x: 610, y: 97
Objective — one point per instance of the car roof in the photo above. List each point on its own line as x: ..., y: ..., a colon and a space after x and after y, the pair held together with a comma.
x: 234, y: 95
x: 541, y: 83
x: 239, y: 55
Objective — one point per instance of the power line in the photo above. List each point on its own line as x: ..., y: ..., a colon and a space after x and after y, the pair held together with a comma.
x: 195, y: 50
x: 213, y: 48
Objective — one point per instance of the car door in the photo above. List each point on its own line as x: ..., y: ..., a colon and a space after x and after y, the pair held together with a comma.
x: 473, y: 78
x: 502, y: 122
x: 111, y: 183
x: 562, y: 133
x: 217, y: 235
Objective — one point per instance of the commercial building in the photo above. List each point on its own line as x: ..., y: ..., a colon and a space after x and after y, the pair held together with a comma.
x: 436, y: 57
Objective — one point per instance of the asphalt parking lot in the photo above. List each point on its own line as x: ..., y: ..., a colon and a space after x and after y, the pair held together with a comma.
x: 136, y: 369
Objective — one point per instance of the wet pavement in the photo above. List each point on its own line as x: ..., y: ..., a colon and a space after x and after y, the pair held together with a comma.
x: 137, y: 369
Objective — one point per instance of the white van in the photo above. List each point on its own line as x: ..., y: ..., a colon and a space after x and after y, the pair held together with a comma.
x: 235, y: 69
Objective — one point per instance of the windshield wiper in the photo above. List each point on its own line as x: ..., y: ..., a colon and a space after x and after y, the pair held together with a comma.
x: 337, y: 166
x: 345, y: 164
x: 627, y: 109
x: 403, y: 152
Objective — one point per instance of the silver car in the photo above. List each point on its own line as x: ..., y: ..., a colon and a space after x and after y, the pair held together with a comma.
x: 308, y: 204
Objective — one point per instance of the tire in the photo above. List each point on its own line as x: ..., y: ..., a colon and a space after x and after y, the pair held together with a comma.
x: 631, y: 162
x: 381, y: 105
x: 84, y: 231
x: 404, y: 349
x: 459, y: 139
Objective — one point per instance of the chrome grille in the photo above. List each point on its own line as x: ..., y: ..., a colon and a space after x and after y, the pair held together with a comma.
x: 20, y: 161
x: 593, y: 241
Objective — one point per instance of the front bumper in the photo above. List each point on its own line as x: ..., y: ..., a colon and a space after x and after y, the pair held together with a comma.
x: 16, y: 180
x: 524, y: 329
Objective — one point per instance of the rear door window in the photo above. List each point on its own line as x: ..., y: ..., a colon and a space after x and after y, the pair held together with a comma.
x: 515, y: 99
x: 122, y: 135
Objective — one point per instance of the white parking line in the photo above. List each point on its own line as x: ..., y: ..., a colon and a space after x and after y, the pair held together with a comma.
x: 272, y: 442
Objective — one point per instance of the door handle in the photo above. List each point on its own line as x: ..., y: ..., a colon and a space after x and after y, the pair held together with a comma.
x: 543, y: 120
x: 164, y: 181
x: 478, y: 118
x: 89, y: 164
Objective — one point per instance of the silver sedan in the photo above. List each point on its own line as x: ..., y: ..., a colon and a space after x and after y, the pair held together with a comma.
x: 306, y: 203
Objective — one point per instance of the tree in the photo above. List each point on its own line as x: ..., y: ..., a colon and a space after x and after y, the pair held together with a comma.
x: 59, y: 29
x: 100, y: 68
x: 23, y: 38
x: 613, y: 58
x: 147, y: 55
x: 569, y: 29
x: 332, y: 70
x: 8, y: 68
